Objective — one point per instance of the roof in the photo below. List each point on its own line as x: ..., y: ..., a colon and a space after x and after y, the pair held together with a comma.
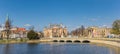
x: 55, y: 26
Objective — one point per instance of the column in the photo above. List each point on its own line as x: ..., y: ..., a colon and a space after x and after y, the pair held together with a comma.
x: 51, y: 34
x: 62, y: 35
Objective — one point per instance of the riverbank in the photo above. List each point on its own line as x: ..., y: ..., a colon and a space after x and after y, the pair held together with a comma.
x: 107, y: 42
x: 10, y: 41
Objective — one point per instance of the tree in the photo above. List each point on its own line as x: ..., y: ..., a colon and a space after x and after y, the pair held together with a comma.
x: 79, y: 31
x: 82, y: 30
x: 116, y: 27
x: 32, y: 35
x: 40, y: 34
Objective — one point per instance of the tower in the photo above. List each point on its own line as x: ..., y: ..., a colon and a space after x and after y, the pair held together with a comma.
x: 7, y: 26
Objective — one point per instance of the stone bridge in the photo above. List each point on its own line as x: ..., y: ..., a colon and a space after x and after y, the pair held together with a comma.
x: 81, y: 40
x: 109, y: 41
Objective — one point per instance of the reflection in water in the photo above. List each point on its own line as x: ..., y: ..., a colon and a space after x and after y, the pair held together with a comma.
x: 7, y: 49
x: 56, y: 48
x: 111, y: 48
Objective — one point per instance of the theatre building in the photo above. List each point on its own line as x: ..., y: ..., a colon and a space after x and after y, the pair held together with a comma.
x: 55, y: 30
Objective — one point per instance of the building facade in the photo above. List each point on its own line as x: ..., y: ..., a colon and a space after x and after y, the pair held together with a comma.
x: 55, y: 30
x: 99, y: 32
x: 18, y: 33
x: 2, y: 32
x: 14, y: 33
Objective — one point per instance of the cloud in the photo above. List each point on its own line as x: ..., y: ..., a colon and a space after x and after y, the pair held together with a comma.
x: 3, y: 25
x: 27, y: 25
x: 94, y: 19
x: 104, y: 25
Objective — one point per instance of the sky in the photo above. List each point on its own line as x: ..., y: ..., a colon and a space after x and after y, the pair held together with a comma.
x: 71, y: 13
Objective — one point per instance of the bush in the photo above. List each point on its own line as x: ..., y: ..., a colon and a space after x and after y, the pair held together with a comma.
x: 32, y: 35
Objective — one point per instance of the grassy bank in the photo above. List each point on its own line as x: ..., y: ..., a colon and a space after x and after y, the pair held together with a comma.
x: 5, y: 41
x: 23, y: 40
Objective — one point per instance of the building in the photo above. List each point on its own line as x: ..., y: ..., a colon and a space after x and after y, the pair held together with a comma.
x: 99, y: 32
x: 18, y: 33
x: 14, y: 33
x: 2, y: 33
x: 7, y: 31
x: 55, y: 30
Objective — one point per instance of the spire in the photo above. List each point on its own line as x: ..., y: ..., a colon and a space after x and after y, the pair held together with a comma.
x: 7, y: 18
x: 7, y: 23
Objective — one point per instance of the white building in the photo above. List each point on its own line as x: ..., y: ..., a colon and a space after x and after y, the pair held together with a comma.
x: 1, y: 29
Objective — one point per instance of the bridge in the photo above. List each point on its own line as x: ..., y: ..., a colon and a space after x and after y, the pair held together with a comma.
x: 109, y: 41
x: 81, y: 40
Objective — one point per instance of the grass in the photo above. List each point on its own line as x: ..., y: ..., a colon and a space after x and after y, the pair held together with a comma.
x: 13, y: 40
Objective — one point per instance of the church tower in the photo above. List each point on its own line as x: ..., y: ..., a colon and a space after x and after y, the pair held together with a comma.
x: 7, y: 26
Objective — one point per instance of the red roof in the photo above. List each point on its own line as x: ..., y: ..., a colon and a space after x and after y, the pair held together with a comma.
x: 21, y: 29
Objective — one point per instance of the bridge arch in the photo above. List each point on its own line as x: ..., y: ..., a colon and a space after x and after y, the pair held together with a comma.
x: 76, y: 41
x: 61, y: 41
x: 68, y: 40
x: 55, y: 40
x: 85, y: 41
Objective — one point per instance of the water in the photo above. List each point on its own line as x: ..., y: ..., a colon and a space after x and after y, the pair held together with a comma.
x: 55, y: 48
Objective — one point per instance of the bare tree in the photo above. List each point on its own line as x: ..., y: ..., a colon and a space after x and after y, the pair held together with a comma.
x: 82, y: 30
x: 79, y: 31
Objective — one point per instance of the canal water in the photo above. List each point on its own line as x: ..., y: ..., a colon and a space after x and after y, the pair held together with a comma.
x: 56, y: 48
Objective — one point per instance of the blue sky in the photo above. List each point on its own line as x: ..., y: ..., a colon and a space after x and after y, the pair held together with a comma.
x: 72, y: 13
